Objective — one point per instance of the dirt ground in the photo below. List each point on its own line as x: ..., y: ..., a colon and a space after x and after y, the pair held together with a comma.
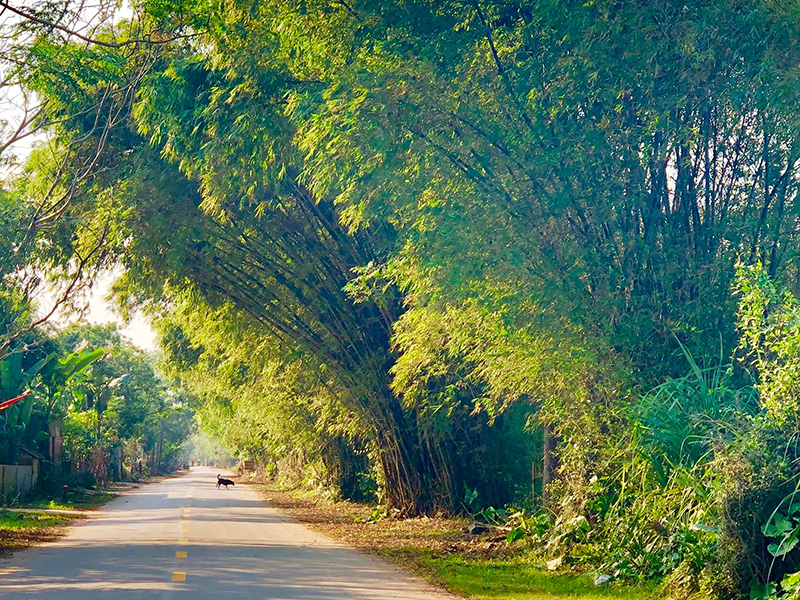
x: 411, y: 541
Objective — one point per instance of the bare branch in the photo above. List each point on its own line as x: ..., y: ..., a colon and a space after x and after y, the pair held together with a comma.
x: 149, y: 40
x: 64, y: 297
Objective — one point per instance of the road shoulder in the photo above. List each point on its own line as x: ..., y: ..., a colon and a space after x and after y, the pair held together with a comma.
x: 439, y: 549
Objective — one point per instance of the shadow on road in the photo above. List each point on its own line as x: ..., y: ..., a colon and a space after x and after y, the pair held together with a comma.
x: 274, y: 571
x: 236, y: 547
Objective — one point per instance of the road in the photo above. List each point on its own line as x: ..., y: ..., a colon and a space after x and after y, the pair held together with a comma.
x: 183, y: 539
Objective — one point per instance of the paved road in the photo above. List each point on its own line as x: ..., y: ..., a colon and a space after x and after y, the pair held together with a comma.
x: 183, y: 539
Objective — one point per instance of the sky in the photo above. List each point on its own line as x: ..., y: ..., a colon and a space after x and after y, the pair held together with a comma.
x: 101, y: 312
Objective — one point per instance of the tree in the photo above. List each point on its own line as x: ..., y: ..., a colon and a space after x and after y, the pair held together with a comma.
x: 120, y: 405
x: 518, y: 207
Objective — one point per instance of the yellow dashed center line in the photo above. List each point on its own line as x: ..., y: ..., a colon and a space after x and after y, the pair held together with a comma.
x: 180, y: 576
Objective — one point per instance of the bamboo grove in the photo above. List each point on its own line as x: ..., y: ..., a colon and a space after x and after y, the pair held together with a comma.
x: 434, y: 251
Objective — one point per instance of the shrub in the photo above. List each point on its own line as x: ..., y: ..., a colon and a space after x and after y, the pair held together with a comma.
x: 82, y: 479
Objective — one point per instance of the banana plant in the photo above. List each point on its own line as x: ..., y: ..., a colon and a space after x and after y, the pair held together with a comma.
x: 53, y: 374
x: 57, y: 375
x: 14, y: 378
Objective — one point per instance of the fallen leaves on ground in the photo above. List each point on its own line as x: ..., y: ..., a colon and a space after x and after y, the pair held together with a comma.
x: 20, y: 530
x: 350, y: 522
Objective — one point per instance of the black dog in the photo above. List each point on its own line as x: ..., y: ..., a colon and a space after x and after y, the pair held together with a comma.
x: 225, y: 482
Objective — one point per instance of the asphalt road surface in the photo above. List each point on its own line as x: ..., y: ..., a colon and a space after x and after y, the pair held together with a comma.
x: 185, y: 539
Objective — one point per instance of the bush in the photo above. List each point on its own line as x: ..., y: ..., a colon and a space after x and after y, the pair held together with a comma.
x: 676, y: 496
x: 82, y: 479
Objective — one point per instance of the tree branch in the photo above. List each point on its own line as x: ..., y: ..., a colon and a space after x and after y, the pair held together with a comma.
x: 150, y: 41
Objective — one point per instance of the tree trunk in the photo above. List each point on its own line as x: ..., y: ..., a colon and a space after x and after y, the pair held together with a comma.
x: 549, y: 460
x: 56, y: 442
x: 160, y: 446
x: 398, y: 447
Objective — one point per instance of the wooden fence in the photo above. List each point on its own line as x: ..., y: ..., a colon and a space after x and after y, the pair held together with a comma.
x: 17, y: 479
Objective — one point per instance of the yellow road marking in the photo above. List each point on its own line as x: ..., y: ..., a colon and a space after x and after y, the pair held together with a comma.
x: 178, y: 576
x: 184, y: 522
x: 185, y: 530
x: 183, y: 541
x: 180, y: 554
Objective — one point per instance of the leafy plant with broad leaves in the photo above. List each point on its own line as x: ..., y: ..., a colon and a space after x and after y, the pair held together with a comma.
x: 14, y: 377
x: 47, y: 378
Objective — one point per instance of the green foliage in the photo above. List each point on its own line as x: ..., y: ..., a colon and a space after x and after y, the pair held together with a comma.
x: 684, y: 419
x: 121, y: 401
x: 415, y: 245
x: 769, y: 319
x: 206, y: 449
x: 261, y: 402
x: 784, y: 529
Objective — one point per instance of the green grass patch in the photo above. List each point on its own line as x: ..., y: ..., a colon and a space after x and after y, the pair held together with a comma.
x: 14, y: 521
x: 21, y: 530
x: 77, y: 500
x: 512, y: 579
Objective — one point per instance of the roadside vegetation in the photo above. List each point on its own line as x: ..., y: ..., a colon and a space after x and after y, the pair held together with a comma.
x: 37, y: 518
x: 440, y: 548
x: 91, y: 408
x: 21, y: 530
x: 80, y: 499
x: 534, y: 262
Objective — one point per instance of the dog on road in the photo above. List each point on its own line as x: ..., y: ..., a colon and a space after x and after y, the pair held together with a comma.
x: 225, y: 482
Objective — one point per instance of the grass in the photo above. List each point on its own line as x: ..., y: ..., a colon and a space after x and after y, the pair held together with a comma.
x: 16, y: 522
x: 21, y: 530
x: 517, y: 579
x: 77, y: 500
x: 479, y: 567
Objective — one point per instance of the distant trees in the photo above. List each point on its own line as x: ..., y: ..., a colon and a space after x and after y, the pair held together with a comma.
x: 122, y: 407
x: 96, y: 394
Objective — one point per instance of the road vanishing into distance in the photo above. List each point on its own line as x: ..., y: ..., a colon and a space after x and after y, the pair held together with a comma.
x: 184, y: 539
